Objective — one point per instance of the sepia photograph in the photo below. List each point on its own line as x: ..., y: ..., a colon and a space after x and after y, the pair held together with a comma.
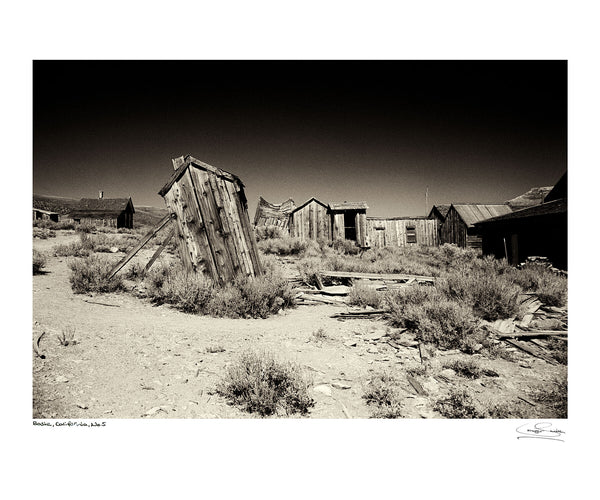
x: 300, y: 239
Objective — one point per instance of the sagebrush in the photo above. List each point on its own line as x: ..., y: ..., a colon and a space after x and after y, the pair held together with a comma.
x: 259, y: 383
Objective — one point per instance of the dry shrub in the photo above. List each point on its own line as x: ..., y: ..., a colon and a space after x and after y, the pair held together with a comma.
x: 196, y: 293
x: 309, y: 269
x: 435, y: 319
x: 260, y: 384
x: 550, y: 287
x: 465, y: 368
x: 188, y: 292
x: 459, y: 404
x: 85, y: 227
x: 363, y: 295
x: 492, y: 296
x: 90, y: 274
x: 39, y: 262
x: 554, y: 396
x: 43, y: 233
x: 283, y: 246
x: 384, y: 396
x: 81, y: 248
x: 269, y: 233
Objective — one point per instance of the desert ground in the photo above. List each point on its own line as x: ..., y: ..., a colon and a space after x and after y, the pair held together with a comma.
x: 129, y: 358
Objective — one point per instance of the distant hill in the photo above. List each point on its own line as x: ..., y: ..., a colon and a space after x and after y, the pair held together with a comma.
x: 144, y: 216
x: 535, y: 196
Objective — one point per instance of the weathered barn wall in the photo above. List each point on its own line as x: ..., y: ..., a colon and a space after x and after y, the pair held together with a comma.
x: 310, y: 221
x: 213, y: 226
x: 454, y: 230
x: 400, y: 232
x: 459, y: 226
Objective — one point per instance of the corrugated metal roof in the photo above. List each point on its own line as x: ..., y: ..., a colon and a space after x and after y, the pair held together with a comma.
x: 349, y: 205
x: 472, y: 213
x: 549, y: 208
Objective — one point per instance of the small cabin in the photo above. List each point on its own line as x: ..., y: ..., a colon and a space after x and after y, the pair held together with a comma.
x: 311, y: 220
x: 349, y: 222
x: 111, y: 212
x: 39, y: 214
x: 459, y: 226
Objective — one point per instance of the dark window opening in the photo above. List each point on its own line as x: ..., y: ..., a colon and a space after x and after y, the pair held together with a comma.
x: 350, y: 225
x: 411, y: 234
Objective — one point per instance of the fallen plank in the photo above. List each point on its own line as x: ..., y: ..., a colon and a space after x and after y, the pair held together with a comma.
x: 533, y: 333
x: 101, y: 303
x: 527, y: 400
x: 374, y: 276
x: 416, y: 385
x: 530, y: 350
x: 340, y: 290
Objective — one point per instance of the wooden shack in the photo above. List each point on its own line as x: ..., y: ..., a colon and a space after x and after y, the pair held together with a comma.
x: 540, y: 230
x: 439, y: 213
x: 39, y: 214
x: 111, y: 212
x: 459, y: 226
x: 310, y: 220
x: 349, y: 221
x: 212, y: 223
x: 273, y: 214
x: 402, y: 231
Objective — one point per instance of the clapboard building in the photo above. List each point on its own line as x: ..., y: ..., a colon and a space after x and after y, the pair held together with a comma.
x: 311, y: 220
x: 112, y: 212
x: 459, y: 226
x: 402, y: 231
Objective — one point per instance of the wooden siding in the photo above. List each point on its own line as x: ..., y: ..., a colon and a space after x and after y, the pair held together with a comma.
x: 310, y: 221
x: 213, y: 227
x: 392, y: 232
x: 454, y: 230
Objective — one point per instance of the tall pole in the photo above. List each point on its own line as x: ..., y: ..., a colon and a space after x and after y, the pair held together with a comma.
x: 426, y: 199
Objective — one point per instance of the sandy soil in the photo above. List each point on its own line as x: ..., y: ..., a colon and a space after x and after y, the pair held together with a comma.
x: 136, y: 360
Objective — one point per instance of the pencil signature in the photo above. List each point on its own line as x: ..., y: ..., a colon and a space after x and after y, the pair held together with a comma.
x: 540, y: 430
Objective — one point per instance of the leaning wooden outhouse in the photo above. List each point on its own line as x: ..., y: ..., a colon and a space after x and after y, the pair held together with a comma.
x: 211, y: 218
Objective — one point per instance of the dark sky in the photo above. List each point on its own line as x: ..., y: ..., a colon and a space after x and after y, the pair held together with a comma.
x: 375, y: 131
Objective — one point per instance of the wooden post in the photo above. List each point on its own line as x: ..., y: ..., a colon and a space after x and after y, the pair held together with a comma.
x: 158, y: 251
x: 164, y: 221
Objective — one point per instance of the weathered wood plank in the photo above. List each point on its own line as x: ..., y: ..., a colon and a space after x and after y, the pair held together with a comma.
x: 158, y: 251
x: 149, y: 235
x: 391, y: 277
